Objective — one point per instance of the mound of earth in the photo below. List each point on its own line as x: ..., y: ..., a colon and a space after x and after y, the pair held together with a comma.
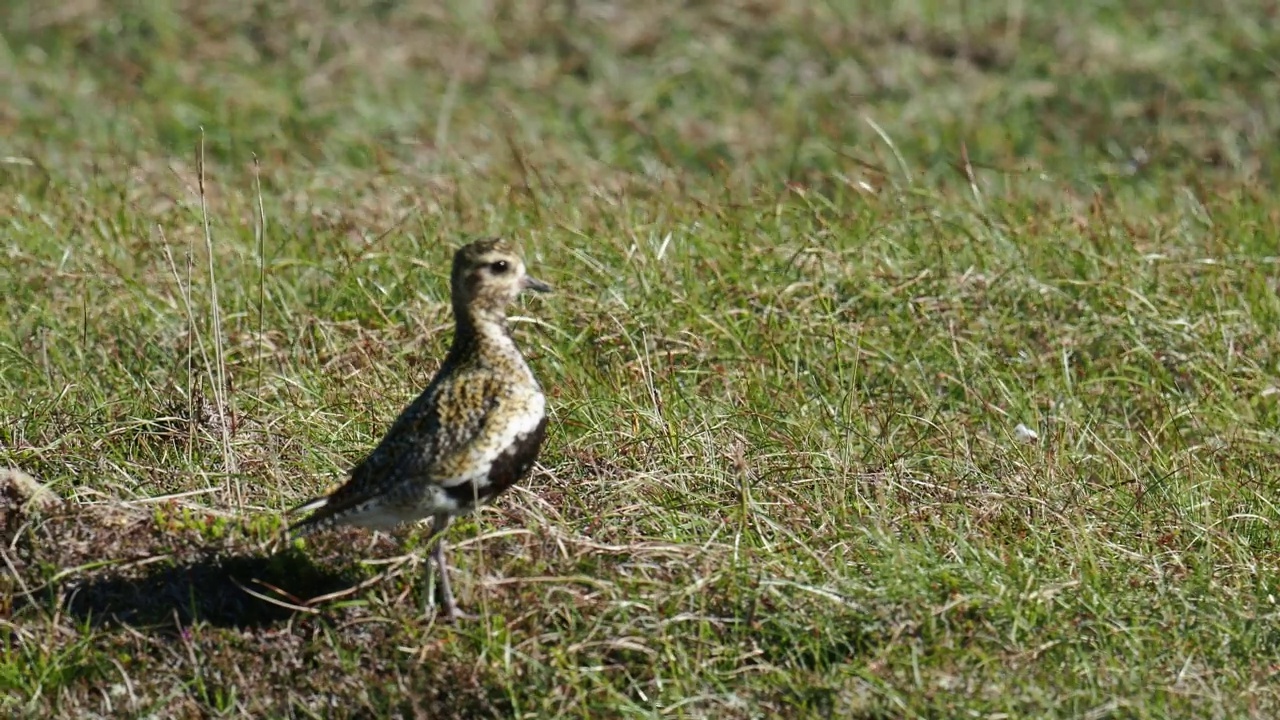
x: 115, y: 563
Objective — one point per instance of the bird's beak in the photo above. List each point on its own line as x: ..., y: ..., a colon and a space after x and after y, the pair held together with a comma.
x: 536, y: 285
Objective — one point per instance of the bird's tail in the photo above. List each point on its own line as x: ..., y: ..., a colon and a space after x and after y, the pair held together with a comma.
x: 308, y: 524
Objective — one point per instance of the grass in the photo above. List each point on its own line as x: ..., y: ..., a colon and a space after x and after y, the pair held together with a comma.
x: 815, y: 263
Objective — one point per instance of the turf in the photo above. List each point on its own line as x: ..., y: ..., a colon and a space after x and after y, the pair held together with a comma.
x: 815, y: 264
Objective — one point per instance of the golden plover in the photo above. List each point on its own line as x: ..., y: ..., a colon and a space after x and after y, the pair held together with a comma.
x: 474, y: 432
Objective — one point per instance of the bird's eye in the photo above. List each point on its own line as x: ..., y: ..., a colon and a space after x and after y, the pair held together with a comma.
x: 498, y: 266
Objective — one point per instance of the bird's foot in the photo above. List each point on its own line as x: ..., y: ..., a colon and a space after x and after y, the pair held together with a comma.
x: 453, y: 615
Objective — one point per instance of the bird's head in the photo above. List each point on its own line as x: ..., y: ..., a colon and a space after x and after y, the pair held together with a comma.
x: 487, y: 276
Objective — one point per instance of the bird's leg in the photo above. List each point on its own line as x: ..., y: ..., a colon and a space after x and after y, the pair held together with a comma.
x: 451, y: 611
x: 428, y: 587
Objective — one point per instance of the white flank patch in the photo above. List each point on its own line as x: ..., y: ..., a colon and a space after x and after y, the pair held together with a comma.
x: 378, y: 517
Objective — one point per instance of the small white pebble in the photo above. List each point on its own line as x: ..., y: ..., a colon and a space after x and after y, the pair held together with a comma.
x: 1025, y: 434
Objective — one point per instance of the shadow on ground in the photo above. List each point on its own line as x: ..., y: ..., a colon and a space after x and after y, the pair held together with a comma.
x: 214, y: 590
x: 108, y: 564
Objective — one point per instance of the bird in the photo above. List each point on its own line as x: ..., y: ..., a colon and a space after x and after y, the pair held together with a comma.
x: 475, y: 431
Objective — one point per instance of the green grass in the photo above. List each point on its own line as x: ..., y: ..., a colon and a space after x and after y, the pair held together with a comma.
x: 814, y: 262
